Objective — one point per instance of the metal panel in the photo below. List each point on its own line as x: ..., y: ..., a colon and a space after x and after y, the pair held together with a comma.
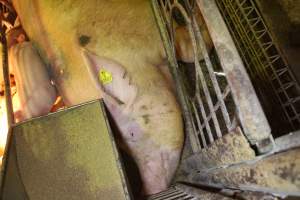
x: 223, y: 92
x: 184, y: 192
x: 268, y: 69
x: 70, y: 154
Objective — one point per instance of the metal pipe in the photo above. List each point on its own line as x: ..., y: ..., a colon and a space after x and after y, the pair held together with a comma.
x: 6, y: 77
x: 174, y: 70
x: 9, y: 105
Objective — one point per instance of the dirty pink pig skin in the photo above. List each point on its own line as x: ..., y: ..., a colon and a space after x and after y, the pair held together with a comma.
x: 112, y: 50
x: 35, y: 93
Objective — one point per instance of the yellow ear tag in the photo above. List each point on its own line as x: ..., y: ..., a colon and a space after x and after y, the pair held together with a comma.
x: 105, y: 77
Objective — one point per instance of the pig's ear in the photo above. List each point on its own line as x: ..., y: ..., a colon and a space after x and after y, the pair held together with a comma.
x: 91, y: 68
x: 111, y: 78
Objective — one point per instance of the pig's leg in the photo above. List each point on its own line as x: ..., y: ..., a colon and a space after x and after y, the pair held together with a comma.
x: 183, y: 42
x: 183, y: 45
x: 146, y: 139
x: 184, y: 52
x: 35, y: 91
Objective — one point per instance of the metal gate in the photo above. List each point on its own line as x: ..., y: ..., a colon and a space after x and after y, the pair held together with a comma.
x: 224, y: 97
x: 270, y: 73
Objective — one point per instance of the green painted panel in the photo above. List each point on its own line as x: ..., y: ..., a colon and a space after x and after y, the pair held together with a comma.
x: 70, y: 154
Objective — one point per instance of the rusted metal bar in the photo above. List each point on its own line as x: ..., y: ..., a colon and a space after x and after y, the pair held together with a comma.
x: 217, y: 106
x: 199, y: 72
x: 173, y: 66
x: 212, y: 75
x: 260, y: 174
x: 206, y: 121
x: 185, y: 192
x: 199, y: 125
x: 264, y: 59
x: 252, y: 117
x: 6, y: 77
x: 203, y: 83
x: 9, y: 105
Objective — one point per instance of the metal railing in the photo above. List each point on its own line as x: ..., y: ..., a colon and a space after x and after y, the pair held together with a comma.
x: 173, y: 193
x: 220, y: 97
x: 270, y: 73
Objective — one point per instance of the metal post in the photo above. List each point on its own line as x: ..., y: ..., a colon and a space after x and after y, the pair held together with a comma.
x: 251, y: 115
x: 9, y: 105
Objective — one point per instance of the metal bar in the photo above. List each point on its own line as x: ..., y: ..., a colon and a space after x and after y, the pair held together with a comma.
x: 169, y: 191
x: 273, y: 59
x: 248, y: 40
x: 250, y: 50
x: 270, y: 59
x: 195, y: 129
x: 216, y: 107
x: 202, y: 81
x: 208, y: 130
x: 259, y: 174
x: 199, y: 125
x: 7, y: 88
x: 253, y: 120
x: 199, y: 71
x: 166, y: 194
x: 212, y: 74
x: 174, y: 71
x: 9, y: 105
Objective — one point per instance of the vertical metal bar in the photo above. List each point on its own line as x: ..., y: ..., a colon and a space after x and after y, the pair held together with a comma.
x: 202, y: 80
x: 253, y: 120
x: 6, y: 77
x: 272, y: 59
x: 9, y: 106
x: 217, y: 105
x: 248, y: 46
x: 174, y: 71
x: 205, y: 119
x: 212, y: 74
x: 249, y: 34
x: 195, y: 129
x: 199, y: 125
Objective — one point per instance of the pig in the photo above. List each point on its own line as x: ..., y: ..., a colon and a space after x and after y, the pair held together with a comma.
x: 35, y: 92
x: 113, y: 50
x: 30, y: 81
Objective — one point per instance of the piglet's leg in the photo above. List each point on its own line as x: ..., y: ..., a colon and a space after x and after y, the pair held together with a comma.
x: 35, y: 92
